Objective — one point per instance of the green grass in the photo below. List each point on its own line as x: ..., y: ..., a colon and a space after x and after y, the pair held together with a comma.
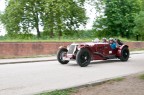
x: 141, y: 76
x: 68, y: 39
x: 59, y: 92
x: 48, y: 40
x: 118, y: 79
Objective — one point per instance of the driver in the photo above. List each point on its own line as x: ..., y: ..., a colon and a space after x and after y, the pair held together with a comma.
x: 112, y: 43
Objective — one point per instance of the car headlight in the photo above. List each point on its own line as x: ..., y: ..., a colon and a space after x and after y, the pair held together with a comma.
x: 78, y: 48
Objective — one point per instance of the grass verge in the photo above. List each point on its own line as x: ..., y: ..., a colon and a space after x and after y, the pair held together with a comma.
x: 49, y: 40
x: 59, y: 92
x: 73, y: 90
x: 118, y: 79
x: 68, y: 39
x: 141, y: 76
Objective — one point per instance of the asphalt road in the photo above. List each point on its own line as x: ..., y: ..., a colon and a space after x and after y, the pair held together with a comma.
x: 28, y: 79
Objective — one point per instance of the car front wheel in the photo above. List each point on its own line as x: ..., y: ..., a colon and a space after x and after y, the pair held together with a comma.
x: 60, y: 56
x: 83, y: 57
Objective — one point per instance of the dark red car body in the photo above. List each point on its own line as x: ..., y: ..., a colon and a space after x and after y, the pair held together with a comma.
x: 91, y: 51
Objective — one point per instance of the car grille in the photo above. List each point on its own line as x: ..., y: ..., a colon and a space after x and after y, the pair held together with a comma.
x: 71, y: 49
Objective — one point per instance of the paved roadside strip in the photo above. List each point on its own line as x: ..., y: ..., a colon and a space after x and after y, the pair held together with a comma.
x: 40, y: 59
x: 26, y: 60
x: 137, y: 52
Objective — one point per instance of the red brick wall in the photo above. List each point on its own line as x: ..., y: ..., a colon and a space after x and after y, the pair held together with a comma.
x: 41, y: 48
x: 28, y: 49
x: 135, y: 45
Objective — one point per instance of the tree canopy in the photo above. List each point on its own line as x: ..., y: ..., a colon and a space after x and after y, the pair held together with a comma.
x: 54, y: 16
x: 57, y: 18
x: 118, y: 18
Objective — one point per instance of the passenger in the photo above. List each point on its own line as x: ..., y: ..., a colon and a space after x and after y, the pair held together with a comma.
x: 112, y: 43
x: 104, y: 40
x: 96, y: 40
x: 119, y: 42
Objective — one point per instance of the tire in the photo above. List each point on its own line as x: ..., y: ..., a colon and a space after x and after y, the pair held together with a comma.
x: 124, y: 54
x: 60, y: 55
x: 83, y: 58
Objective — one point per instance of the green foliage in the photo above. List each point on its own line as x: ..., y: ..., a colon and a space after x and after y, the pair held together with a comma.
x: 142, y: 5
x: 139, y: 28
x: 63, y: 17
x: 54, y: 16
x: 74, y: 38
x: 118, y: 19
x: 21, y: 16
x: 11, y: 18
x: 60, y: 19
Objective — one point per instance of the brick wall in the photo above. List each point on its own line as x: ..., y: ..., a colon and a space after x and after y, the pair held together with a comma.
x: 41, y: 48
x: 135, y: 45
x: 28, y: 49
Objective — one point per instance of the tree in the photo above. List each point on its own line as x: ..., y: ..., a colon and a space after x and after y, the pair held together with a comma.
x: 55, y: 16
x: 139, y: 25
x: 142, y: 5
x: 11, y: 18
x: 22, y: 16
x: 63, y: 16
x: 118, y: 17
x: 139, y: 28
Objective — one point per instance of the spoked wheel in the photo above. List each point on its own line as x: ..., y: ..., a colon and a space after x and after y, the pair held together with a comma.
x: 124, y: 54
x: 83, y: 58
x: 60, y: 55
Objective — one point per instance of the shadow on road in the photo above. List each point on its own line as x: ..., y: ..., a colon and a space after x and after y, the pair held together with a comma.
x: 105, y: 61
x: 97, y: 62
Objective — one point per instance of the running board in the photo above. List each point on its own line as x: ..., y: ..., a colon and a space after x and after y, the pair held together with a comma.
x: 107, y: 57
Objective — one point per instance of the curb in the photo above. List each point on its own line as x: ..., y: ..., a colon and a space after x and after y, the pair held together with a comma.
x: 136, y: 53
x: 33, y: 61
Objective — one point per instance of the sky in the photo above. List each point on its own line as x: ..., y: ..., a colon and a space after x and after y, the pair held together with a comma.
x: 90, y: 12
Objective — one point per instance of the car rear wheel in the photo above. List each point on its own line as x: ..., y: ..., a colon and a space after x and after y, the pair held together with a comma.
x: 83, y: 57
x: 60, y: 55
x: 124, y: 54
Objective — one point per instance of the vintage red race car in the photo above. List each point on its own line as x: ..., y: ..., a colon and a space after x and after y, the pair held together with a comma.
x: 84, y: 53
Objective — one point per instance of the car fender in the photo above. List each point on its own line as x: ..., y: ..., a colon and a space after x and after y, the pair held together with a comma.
x: 120, y: 49
x: 62, y: 47
x: 86, y: 47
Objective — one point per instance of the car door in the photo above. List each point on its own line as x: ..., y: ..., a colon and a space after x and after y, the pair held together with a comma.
x: 107, y: 50
x: 100, y: 48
